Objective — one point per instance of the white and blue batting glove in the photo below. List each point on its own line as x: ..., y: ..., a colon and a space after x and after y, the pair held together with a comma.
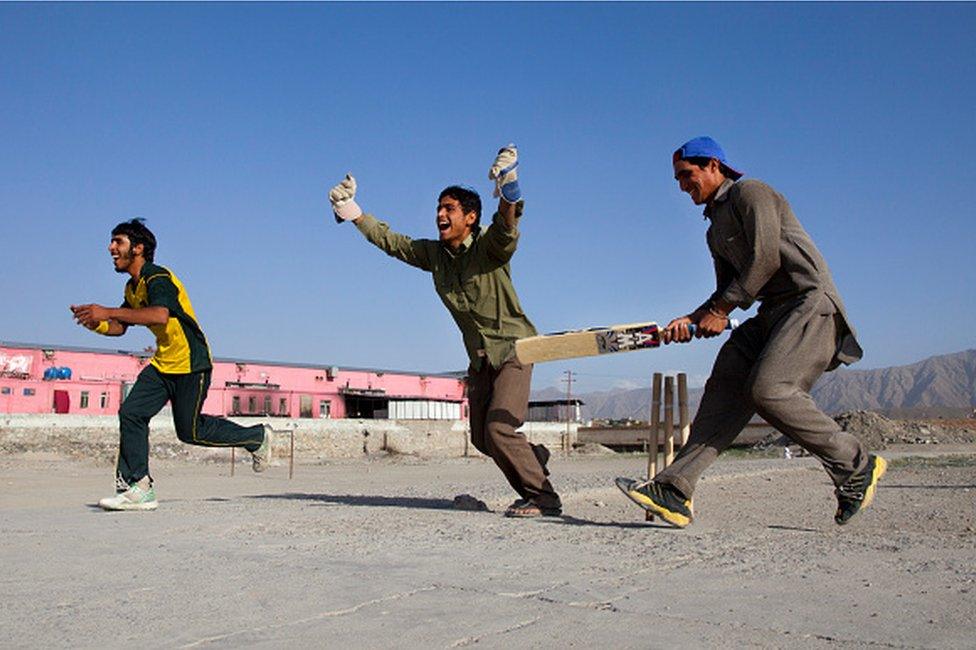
x: 342, y: 197
x: 504, y: 172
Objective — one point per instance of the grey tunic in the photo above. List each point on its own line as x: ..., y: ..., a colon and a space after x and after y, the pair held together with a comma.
x: 770, y: 363
x: 761, y: 252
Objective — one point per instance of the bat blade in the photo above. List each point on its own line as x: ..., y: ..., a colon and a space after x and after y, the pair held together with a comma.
x: 587, y: 343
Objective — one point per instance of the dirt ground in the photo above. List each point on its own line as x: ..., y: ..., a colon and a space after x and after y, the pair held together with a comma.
x: 371, y: 554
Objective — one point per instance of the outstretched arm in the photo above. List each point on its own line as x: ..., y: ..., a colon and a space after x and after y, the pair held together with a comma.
x: 344, y: 207
x: 502, y: 236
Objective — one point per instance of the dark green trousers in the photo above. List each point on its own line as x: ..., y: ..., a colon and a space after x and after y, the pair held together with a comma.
x: 186, y: 394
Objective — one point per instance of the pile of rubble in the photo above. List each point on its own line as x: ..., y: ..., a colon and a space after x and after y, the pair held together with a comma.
x: 878, y: 431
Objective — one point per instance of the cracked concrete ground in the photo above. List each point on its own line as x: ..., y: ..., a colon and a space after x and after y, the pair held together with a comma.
x: 370, y: 554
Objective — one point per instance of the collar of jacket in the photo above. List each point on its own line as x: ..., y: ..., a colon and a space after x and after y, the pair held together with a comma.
x: 721, y: 194
x: 463, y: 248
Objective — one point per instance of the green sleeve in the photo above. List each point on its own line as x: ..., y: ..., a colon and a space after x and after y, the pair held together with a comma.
x: 415, y: 252
x: 500, y: 242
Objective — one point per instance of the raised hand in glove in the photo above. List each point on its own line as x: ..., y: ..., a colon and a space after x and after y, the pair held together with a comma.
x: 504, y: 172
x: 343, y: 199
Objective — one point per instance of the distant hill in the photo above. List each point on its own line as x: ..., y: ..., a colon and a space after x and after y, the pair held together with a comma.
x: 942, y: 385
x: 938, y: 386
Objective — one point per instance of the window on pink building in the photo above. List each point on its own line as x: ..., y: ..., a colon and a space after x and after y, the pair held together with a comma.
x: 103, y: 400
x: 28, y: 392
x: 283, y: 406
x: 84, y: 400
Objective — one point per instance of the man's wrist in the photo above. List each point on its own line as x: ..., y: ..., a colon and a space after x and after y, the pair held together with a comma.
x: 720, y: 309
x: 349, y: 210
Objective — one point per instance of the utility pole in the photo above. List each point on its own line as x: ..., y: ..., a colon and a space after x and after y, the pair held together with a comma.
x: 569, y: 397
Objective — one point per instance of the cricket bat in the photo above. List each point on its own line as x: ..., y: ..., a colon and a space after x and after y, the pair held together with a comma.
x: 592, y: 342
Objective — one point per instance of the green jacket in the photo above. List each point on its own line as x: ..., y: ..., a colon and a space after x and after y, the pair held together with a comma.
x: 475, y: 283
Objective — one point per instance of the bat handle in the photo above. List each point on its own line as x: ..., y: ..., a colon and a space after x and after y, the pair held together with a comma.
x: 733, y: 323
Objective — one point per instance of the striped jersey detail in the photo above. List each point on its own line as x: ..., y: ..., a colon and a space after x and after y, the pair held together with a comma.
x: 181, y: 346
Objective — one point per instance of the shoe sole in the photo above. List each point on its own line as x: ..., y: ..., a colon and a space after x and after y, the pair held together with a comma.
x: 144, y: 507
x: 880, y: 467
x: 511, y: 514
x: 674, y: 519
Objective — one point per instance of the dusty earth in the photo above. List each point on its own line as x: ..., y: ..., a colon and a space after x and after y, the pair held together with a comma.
x: 373, y: 554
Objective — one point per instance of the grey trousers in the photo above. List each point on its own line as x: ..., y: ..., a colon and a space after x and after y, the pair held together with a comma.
x: 499, y: 401
x: 768, y: 366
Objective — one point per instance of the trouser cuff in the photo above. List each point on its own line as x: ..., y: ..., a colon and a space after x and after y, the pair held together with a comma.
x: 683, y: 487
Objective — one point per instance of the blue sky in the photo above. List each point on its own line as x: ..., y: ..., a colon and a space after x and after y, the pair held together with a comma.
x: 224, y: 125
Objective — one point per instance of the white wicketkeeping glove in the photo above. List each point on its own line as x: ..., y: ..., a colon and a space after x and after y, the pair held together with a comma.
x: 343, y: 199
x: 504, y: 172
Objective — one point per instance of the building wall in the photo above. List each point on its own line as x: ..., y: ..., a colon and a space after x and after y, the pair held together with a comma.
x: 102, y: 378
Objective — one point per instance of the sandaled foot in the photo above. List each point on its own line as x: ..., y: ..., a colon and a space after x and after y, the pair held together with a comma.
x: 524, y: 509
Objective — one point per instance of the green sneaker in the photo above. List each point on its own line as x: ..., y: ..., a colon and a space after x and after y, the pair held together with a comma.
x: 261, y: 458
x: 858, y: 492
x: 135, y: 498
x: 659, y: 499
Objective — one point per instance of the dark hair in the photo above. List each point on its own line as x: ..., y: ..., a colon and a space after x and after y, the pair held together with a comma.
x: 468, y: 198
x: 136, y: 231
x: 702, y: 162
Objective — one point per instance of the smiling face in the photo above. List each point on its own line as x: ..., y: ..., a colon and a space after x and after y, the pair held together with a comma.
x: 700, y: 183
x: 124, y: 255
x: 453, y: 224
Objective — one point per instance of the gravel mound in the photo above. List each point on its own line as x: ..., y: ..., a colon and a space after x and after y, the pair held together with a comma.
x: 877, y: 431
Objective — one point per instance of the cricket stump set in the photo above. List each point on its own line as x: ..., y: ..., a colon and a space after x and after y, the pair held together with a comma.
x: 662, y: 433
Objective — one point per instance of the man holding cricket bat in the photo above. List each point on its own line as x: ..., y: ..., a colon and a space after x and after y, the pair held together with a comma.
x: 470, y: 269
x: 769, y: 364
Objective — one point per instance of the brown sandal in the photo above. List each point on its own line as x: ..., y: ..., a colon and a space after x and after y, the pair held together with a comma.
x: 525, y: 509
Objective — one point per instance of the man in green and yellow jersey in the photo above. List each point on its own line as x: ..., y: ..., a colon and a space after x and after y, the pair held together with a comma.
x: 178, y: 373
x: 470, y: 269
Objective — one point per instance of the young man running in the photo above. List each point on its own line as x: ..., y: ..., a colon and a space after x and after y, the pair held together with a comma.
x: 179, y: 371
x: 769, y: 364
x: 470, y: 268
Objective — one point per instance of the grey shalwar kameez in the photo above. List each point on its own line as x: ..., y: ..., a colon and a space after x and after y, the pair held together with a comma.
x: 770, y: 363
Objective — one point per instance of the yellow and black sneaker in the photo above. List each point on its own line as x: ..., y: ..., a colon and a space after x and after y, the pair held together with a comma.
x: 659, y: 499
x: 858, y: 492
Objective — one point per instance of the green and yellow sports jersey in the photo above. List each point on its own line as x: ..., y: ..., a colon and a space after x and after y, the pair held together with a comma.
x: 181, y: 347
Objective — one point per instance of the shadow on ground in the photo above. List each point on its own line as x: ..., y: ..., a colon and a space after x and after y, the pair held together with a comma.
x: 569, y: 520
x: 364, y: 500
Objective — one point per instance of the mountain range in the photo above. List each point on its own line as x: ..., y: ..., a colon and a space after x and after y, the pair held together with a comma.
x: 939, y: 386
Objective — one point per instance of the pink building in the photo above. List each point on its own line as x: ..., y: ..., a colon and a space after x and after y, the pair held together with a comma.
x: 50, y: 379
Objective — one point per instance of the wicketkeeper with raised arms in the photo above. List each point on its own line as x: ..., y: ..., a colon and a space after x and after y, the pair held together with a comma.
x: 470, y: 268
x: 178, y: 372
x: 770, y: 363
